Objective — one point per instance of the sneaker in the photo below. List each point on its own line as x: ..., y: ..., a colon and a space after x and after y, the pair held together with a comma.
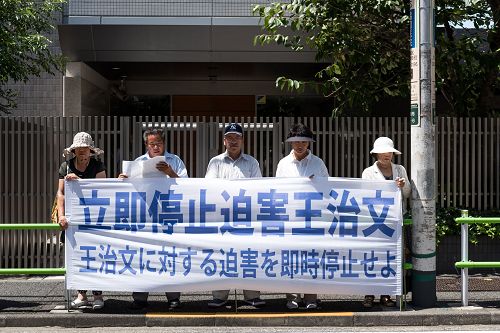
x: 311, y: 306
x: 216, y: 303
x: 368, y: 302
x: 98, y: 304
x: 291, y: 305
x: 78, y: 303
x: 138, y: 305
x: 174, y: 304
x: 255, y: 302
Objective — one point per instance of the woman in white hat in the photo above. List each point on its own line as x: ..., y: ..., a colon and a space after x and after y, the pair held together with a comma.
x: 383, y: 168
x: 82, y: 165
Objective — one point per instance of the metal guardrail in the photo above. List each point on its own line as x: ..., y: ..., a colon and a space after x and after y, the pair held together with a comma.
x: 29, y: 226
x: 62, y: 271
x: 31, y: 271
x: 465, y: 264
x: 35, y: 271
x: 57, y: 271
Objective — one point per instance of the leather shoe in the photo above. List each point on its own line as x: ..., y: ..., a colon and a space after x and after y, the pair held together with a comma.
x: 174, y: 304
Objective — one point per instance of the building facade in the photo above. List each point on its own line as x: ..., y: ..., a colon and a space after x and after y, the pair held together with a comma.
x: 129, y: 57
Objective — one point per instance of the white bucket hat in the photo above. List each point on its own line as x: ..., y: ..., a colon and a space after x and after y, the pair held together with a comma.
x: 384, y: 145
x: 81, y: 140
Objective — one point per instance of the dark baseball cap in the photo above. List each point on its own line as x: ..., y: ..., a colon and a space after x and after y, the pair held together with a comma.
x: 233, y: 128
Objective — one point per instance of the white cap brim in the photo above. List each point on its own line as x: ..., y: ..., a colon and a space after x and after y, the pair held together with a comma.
x: 240, y: 134
x: 299, y: 138
x: 381, y: 150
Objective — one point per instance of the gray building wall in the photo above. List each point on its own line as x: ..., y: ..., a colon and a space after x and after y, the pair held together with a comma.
x: 85, y: 91
x: 41, y: 96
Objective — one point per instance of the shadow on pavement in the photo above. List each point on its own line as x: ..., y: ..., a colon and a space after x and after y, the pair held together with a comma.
x: 117, y: 306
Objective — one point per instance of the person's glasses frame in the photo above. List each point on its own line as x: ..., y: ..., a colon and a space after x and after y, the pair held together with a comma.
x: 155, y: 144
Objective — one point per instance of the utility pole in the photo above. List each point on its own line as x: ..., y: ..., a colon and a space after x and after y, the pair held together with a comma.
x: 422, y: 154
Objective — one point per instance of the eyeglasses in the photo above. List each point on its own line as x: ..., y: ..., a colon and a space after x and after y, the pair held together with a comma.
x: 155, y: 144
x: 233, y: 137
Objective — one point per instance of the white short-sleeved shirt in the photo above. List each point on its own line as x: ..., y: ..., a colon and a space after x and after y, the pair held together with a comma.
x: 173, y: 160
x: 223, y: 166
x: 311, y: 165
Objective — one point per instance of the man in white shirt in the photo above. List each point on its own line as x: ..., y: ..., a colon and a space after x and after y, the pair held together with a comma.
x: 172, y: 167
x: 301, y: 163
x: 233, y: 164
x: 154, y: 140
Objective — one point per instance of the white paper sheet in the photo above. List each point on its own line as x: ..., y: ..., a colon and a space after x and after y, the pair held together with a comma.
x: 143, y: 169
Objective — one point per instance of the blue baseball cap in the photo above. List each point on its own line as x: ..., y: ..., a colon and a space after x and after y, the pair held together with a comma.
x: 233, y: 128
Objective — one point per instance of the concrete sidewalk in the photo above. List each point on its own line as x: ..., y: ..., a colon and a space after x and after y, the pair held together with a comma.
x: 39, y: 301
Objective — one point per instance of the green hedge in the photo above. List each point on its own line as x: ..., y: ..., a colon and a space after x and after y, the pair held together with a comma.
x: 446, y: 225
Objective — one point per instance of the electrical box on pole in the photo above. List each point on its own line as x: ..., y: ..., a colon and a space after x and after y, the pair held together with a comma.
x: 422, y: 154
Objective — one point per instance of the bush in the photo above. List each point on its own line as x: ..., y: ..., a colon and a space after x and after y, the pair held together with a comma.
x: 446, y: 225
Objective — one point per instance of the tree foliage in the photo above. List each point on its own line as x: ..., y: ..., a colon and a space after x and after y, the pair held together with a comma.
x: 24, y: 47
x: 365, y: 47
x: 468, y: 59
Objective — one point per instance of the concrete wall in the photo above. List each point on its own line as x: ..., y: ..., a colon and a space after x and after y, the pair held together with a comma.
x: 85, y: 91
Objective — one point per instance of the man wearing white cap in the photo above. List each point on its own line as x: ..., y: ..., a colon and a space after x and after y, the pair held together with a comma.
x: 301, y: 163
x: 233, y: 164
x: 383, y: 169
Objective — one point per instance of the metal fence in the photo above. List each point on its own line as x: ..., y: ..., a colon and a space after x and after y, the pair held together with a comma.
x: 162, y: 8
x: 467, y: 160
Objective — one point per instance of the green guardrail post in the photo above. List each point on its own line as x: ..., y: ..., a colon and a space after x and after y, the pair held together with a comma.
x: 464, y: 249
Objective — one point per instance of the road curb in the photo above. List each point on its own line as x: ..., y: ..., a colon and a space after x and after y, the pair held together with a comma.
x: 427, y: 317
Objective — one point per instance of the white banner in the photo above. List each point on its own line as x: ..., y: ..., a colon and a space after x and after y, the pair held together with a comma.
x: 325, y: 235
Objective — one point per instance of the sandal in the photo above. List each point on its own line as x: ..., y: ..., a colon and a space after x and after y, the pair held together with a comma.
x: 386, y: 300
x: 368, y: 302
